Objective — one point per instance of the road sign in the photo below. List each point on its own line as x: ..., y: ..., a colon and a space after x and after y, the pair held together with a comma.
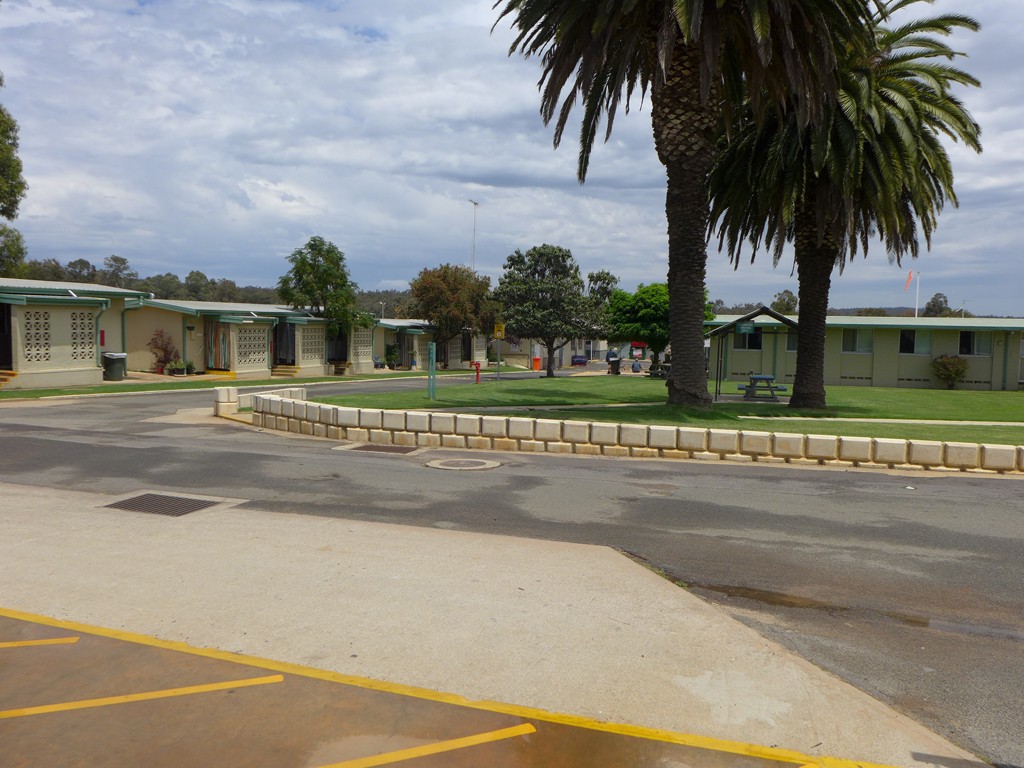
x: 499, y: 330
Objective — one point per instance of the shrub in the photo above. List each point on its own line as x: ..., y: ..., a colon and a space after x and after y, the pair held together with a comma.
x: 163, y: 348
x: 391, y: 355
x: 950, y: 369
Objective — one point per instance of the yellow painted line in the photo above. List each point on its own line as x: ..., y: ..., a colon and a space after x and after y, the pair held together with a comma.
x: 435, y: 749
x: 51, y: 641
x: 525, y: 713
x: 147, y: 696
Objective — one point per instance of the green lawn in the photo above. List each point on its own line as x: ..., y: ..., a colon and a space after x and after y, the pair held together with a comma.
x: 640, y: 401
x: 173, y: 383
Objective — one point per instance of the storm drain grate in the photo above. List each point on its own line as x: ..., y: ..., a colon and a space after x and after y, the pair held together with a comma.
x: 159, y: 504
x: 382, y: 448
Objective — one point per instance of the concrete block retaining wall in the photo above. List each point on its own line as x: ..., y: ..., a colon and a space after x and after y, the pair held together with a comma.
x: 286, y: 410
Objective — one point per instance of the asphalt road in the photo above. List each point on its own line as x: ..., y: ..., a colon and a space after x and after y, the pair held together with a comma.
x: 909, y: 586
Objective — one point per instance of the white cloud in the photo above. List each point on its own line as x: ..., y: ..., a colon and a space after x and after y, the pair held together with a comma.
x: 220, y: 134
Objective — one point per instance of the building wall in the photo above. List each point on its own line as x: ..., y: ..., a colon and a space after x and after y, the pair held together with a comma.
x: 142, y: 323
x: 311, y: 350
x: 361, y: 352
x: 884, y: 365
x: 250, y: 348
x: 54, y: 346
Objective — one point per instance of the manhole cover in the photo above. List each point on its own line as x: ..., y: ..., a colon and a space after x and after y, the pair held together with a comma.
x: 382, y: 448
x: 159, y: 504
x: 462, y: 464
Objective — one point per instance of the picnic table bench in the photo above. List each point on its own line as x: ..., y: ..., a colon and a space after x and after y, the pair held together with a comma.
x: 761, y: 386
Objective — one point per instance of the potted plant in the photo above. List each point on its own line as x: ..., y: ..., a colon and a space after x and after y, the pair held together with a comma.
x: 391, y: 356
x: 176, y: 367
x: 164, y: 350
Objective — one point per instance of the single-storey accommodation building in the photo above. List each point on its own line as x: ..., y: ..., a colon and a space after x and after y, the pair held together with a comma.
x: 251, y: 340
x: 877, y: 351
x: 53, y: 334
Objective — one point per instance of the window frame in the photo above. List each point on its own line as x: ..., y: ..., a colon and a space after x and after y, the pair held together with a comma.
x: 858, y: 335
x: 973, y: 339
x: 921, y: 342
x: 746, y: 338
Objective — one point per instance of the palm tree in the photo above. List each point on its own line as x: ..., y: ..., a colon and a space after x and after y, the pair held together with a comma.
x: 693, y: 56
x: 873, y: 164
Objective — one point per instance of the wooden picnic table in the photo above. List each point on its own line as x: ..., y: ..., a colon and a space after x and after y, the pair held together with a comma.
x: 761, y: 386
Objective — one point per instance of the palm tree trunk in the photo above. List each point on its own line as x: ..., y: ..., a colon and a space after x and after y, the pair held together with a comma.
x: 685, y: 126
x: 815, y: 261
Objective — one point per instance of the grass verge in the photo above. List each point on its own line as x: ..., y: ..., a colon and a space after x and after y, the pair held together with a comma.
x: 640, y: 401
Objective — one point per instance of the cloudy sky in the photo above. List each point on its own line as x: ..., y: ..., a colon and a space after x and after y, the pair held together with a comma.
x: 220, y: 135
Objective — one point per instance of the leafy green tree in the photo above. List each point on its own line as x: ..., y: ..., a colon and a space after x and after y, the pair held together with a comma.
x: 643, y: 316
x: 117, y: 272
x: 198, y: 287
x: 224, y: 290
x: 693, y: 57
x: 452, y: 298
x: 12, y: 252
x: 785, y: 302
x: 255, y: 294
x: 396, y: 303
x: 937, y: 306
x: 543, y: 297
x: 318, y: 281
x: 47, y: 269
x: 871, y: 163
x: 12, y: 184
x: 80, y: 271
x: 165, y: 286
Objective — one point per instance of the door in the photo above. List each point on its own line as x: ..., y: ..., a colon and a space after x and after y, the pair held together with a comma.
x: 6, y: 338
x: 337, y: 348
x: 284, y: 344
x: 218, y: 345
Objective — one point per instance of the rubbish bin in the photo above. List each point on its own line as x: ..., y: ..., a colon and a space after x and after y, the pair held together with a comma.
x: 615, y: 362
x: 115, y: 366
x: 536, y: 363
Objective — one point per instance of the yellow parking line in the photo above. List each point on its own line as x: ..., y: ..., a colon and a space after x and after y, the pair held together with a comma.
x: 434, y: 749
x: 149, y: 695
x: 654, y: 734
x: 51, y: 641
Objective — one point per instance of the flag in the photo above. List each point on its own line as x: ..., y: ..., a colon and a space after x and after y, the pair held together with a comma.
x: 909, y: 278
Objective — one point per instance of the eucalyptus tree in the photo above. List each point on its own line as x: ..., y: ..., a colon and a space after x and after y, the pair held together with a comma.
x: 872, y: 164
x: 692, y: 57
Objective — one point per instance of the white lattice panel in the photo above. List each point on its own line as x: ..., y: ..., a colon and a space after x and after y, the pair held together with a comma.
x: 313, y: 344
x: 83, y: 336
x: 252, y: 346
x: 362, y: 344
x: 37, y: 336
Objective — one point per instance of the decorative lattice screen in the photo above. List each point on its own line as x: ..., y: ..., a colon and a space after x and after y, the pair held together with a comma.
x: 37, y: 336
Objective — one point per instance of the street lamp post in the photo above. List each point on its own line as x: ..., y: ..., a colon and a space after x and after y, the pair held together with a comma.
x: 382, y: 305
x: 475, y: 206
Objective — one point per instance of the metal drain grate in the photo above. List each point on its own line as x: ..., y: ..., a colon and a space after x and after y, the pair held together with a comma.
x: 382, y: 448
x: 159, y: 504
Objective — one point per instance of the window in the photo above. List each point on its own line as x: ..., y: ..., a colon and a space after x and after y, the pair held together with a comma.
x: 791, y: 342
x: 975, y: 343
x: 857, y: 340
x: 915, y: 342
x: 747, y: 340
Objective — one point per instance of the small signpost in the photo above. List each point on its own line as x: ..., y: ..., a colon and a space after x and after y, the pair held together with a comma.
x: 745, y: 328
x: 432, y: 371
